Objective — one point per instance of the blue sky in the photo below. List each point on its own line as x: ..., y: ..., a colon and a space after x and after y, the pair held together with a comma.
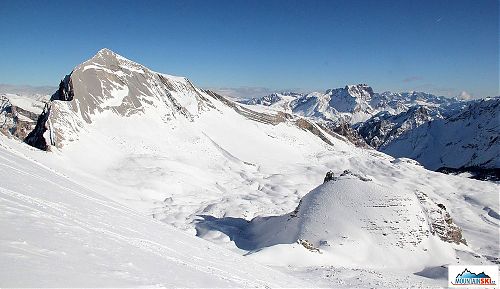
x: 443, y: 47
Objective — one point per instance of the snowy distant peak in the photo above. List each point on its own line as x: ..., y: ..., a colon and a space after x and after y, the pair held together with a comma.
x: 412, y: 98
x: 466, y: 138
x: 353, y: 103
x: 384, y: 127
x: 265, y: 100
x: 272, y: 98
x: 477, y: 108
x: 361, y: 91
x: 351, y: 98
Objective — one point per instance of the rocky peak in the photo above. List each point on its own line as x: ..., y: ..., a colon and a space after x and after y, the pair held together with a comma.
x: 351, y: 98
x: 108, y: 82
x: 272, y: 98
x: 361, y: 91
x: 106, y: 52
x: 385, y: 127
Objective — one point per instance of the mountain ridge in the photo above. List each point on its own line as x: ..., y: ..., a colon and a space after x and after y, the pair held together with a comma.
x: 383, y: 120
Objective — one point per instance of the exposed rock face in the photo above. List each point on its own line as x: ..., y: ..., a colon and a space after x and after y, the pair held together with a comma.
x: 18, y: 115
x: 440, y: 221
x: 110, y: 83
x: 314, y: 128
x: 37, y: 137
x: 345, y: 129
x: 308, y: 245
x: 384, y: 127
x: 330, y: 176
x: 65, y: 91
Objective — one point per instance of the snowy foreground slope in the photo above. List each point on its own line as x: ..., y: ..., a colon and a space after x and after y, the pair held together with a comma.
x: 57, y: 233
x: 166, y: 150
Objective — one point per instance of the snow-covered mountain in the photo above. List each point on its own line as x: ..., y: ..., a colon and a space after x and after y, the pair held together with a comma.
x: 394, y: 123
x: 119, y: 133
x: 399, y: 102
x: 273, y: 98
x: 19, y: 114
x: 385, y: 127
x: 469, y: 138
x: 110, y: 83
x: 352, y: 103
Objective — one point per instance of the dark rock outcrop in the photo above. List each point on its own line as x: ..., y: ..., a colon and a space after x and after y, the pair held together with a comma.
x: 329, y: 177
x: 35, y: 137
x: 65, y: 91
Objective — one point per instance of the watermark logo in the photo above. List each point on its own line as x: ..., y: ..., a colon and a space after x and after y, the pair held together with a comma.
x: 473, y: 276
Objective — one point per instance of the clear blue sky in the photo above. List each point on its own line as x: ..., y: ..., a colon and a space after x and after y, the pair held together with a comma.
x: 443, y: 47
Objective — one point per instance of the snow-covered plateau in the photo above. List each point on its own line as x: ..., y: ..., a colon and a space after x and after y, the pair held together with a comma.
x: 129, y: 177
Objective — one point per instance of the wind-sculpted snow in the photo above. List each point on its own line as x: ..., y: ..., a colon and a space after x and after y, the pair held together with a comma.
x: 352, y: 220
x: 56, y: 233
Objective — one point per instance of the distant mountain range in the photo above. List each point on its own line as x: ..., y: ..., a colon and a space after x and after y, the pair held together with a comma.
x: 26, y: 90
x: 441, y: 133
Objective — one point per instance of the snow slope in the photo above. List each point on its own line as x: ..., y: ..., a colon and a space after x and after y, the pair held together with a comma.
x: 212, y: 166
x: 57, y: 233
